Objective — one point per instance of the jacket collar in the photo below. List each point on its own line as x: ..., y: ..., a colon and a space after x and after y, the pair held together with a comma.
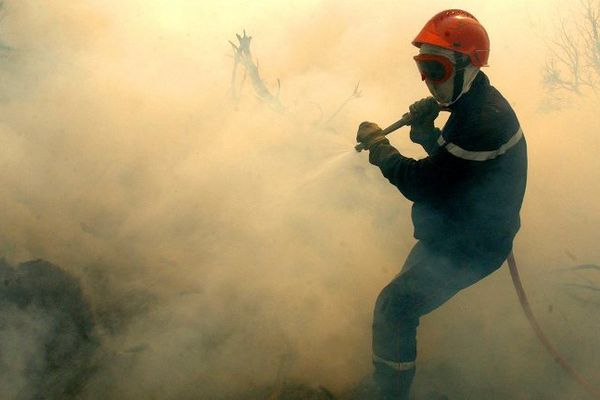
x: 480, y: 82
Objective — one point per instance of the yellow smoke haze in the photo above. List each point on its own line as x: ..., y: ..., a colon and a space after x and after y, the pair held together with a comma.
x: 220, y: 237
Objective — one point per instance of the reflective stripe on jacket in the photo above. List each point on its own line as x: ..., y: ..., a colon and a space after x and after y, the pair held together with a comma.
x: 468, y: 192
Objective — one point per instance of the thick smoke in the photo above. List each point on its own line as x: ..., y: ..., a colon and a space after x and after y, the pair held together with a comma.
x: 220, y: 242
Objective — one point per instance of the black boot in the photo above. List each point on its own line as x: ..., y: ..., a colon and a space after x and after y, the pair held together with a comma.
x: 393, y: 384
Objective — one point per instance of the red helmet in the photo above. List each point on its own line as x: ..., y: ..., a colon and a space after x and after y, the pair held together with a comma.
x: 459, y: 31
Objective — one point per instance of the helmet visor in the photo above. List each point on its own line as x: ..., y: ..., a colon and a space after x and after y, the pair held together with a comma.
x: 434, y: 68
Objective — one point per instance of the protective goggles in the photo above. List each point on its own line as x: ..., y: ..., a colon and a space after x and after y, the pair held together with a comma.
x: 434, y: 68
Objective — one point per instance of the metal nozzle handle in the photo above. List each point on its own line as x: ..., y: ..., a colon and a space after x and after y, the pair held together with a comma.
x: 405, y: 120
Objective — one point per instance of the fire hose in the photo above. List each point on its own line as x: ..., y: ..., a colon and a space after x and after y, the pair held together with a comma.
x: 514, y: 273
x: 584, y: 383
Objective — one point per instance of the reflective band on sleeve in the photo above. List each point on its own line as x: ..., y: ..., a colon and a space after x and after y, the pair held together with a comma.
x: 398, y: 366
x: 480, y: 155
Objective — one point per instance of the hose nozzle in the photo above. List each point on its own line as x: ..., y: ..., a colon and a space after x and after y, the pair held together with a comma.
x: 405, y: 120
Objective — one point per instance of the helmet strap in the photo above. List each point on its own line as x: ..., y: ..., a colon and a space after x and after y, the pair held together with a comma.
x: 460, y: 63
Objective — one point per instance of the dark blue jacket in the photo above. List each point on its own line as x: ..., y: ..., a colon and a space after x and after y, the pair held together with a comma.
x: 468, y: 192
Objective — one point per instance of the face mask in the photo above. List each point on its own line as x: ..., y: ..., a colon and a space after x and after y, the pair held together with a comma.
x: 439, y: 68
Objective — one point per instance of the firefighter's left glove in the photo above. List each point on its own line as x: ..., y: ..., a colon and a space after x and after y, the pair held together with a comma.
x: 370, y: 135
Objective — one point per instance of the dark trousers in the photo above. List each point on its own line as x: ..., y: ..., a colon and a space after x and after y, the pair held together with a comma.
x: 430, y: 276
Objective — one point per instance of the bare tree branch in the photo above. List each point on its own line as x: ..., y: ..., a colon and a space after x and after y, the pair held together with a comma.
x: 355, y: 94
x: 243, y: 56
x: 574, y: 53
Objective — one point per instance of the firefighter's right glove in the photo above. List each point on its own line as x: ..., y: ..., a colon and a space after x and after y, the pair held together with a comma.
x: 423, y: 112
x: 370, y: 134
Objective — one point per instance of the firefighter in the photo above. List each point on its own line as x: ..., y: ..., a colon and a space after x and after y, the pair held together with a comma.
x: 466, y: 193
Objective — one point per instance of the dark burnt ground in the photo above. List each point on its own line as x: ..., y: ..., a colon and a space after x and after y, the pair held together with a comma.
x: 46, y: 332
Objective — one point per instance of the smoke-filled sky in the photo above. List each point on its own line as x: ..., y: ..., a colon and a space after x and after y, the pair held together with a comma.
x: 217, y: 237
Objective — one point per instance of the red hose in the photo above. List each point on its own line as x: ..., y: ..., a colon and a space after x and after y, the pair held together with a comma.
x: 584, y: 383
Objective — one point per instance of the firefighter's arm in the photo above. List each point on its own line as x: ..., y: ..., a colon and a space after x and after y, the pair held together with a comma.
x: 418, y: 180
x: 428, y: 138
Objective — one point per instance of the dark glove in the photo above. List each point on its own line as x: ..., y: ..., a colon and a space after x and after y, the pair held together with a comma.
x: 423, y: 112
x: 370, y: 134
